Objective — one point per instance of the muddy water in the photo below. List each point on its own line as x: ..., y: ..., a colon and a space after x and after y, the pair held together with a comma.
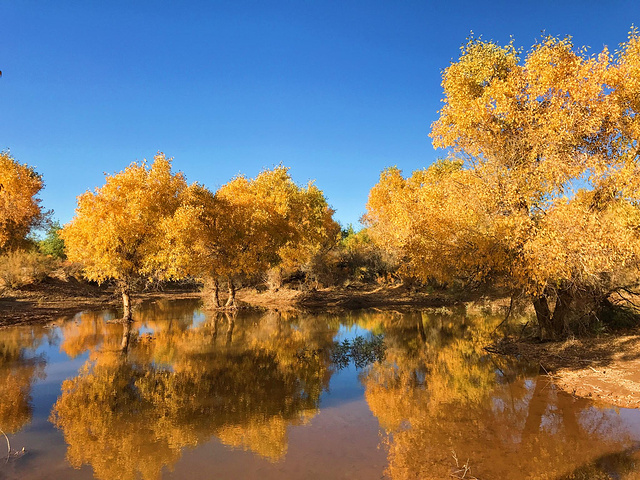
x: 186, y: 393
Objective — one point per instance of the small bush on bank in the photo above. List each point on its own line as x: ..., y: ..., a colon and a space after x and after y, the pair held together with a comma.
x: 52, y: 244
x: 356, y: 258
x: 616, y: 316
x: 22, y: 267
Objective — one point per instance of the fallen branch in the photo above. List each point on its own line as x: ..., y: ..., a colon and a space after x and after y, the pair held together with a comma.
x: 506, y: 317
x: 464, y: 469
x: 9, y: 452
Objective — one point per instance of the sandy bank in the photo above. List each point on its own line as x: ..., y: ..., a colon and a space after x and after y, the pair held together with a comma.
x: 605, y: 369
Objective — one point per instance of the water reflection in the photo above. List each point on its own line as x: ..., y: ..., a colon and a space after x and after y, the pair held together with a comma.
x: 20, y: 367
x: 136, y: 404
x: 179, y: 377
x: 452, y: 410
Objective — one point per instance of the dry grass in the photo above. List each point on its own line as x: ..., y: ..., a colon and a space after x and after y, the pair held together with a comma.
x: 21, y: 267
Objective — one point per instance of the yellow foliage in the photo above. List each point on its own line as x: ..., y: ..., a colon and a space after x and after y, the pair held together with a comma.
x: 580, y: 245
x: 19, y: 208
x: 546, y: 196
x: 116, y: 232
x: 440, y: 222
x: 248, y: 226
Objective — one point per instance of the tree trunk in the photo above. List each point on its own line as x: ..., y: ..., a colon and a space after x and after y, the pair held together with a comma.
x: 560, y: 320
x: 124, y: 345
x: 423, y: 334
x: 543, y: 314
x: 126, y: 304
x: 557, y: 323
x: 231, y: 323
x: 231, y: 301
x: 216, y: 294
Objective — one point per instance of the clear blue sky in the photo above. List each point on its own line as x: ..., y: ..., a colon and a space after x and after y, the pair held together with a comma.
x: 336, y: 90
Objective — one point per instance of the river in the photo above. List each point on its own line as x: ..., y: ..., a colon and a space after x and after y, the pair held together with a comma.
x: 186, y: 393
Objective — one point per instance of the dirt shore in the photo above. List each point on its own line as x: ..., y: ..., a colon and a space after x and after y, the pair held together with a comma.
x: 53, y: 298
x: 605, y: 369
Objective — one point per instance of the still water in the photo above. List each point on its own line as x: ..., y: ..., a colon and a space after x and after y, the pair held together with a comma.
x: 185, y: 393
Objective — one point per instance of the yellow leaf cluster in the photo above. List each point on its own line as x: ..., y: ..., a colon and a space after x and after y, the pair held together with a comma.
x: 116, y: 231
x: 546, y: 193
x: 438, y: 221
x: 551, y: 119
x: 19, y: 207
x: 247, y: 226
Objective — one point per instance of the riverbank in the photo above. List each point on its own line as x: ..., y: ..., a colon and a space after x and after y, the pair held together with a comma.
x: 605, y: 369
x: 53, y: 298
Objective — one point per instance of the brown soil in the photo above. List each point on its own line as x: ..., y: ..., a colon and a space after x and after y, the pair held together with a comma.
x: 605, y: 369
x: 54, y: 297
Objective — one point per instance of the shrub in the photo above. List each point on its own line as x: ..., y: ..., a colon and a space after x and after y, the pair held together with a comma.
x: 20, y: 267
x: 52, y: 244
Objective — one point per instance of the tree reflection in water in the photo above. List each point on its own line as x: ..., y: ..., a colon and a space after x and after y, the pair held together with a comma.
x: 440, y: 396
x: 19, y: 369
x: 137, y: 403
x: 176, y: 379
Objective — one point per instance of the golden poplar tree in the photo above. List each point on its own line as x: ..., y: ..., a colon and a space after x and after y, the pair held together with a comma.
x: 314, y: 230
x: 546, y: 197
x: 116, y: 232
x: 20, y: 208
x: 245, y: 228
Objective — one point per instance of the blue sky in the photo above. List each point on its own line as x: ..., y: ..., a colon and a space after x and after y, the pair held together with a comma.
x: 335, y: 90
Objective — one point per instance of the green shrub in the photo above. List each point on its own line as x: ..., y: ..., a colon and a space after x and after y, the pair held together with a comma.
x: 52, y: 244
